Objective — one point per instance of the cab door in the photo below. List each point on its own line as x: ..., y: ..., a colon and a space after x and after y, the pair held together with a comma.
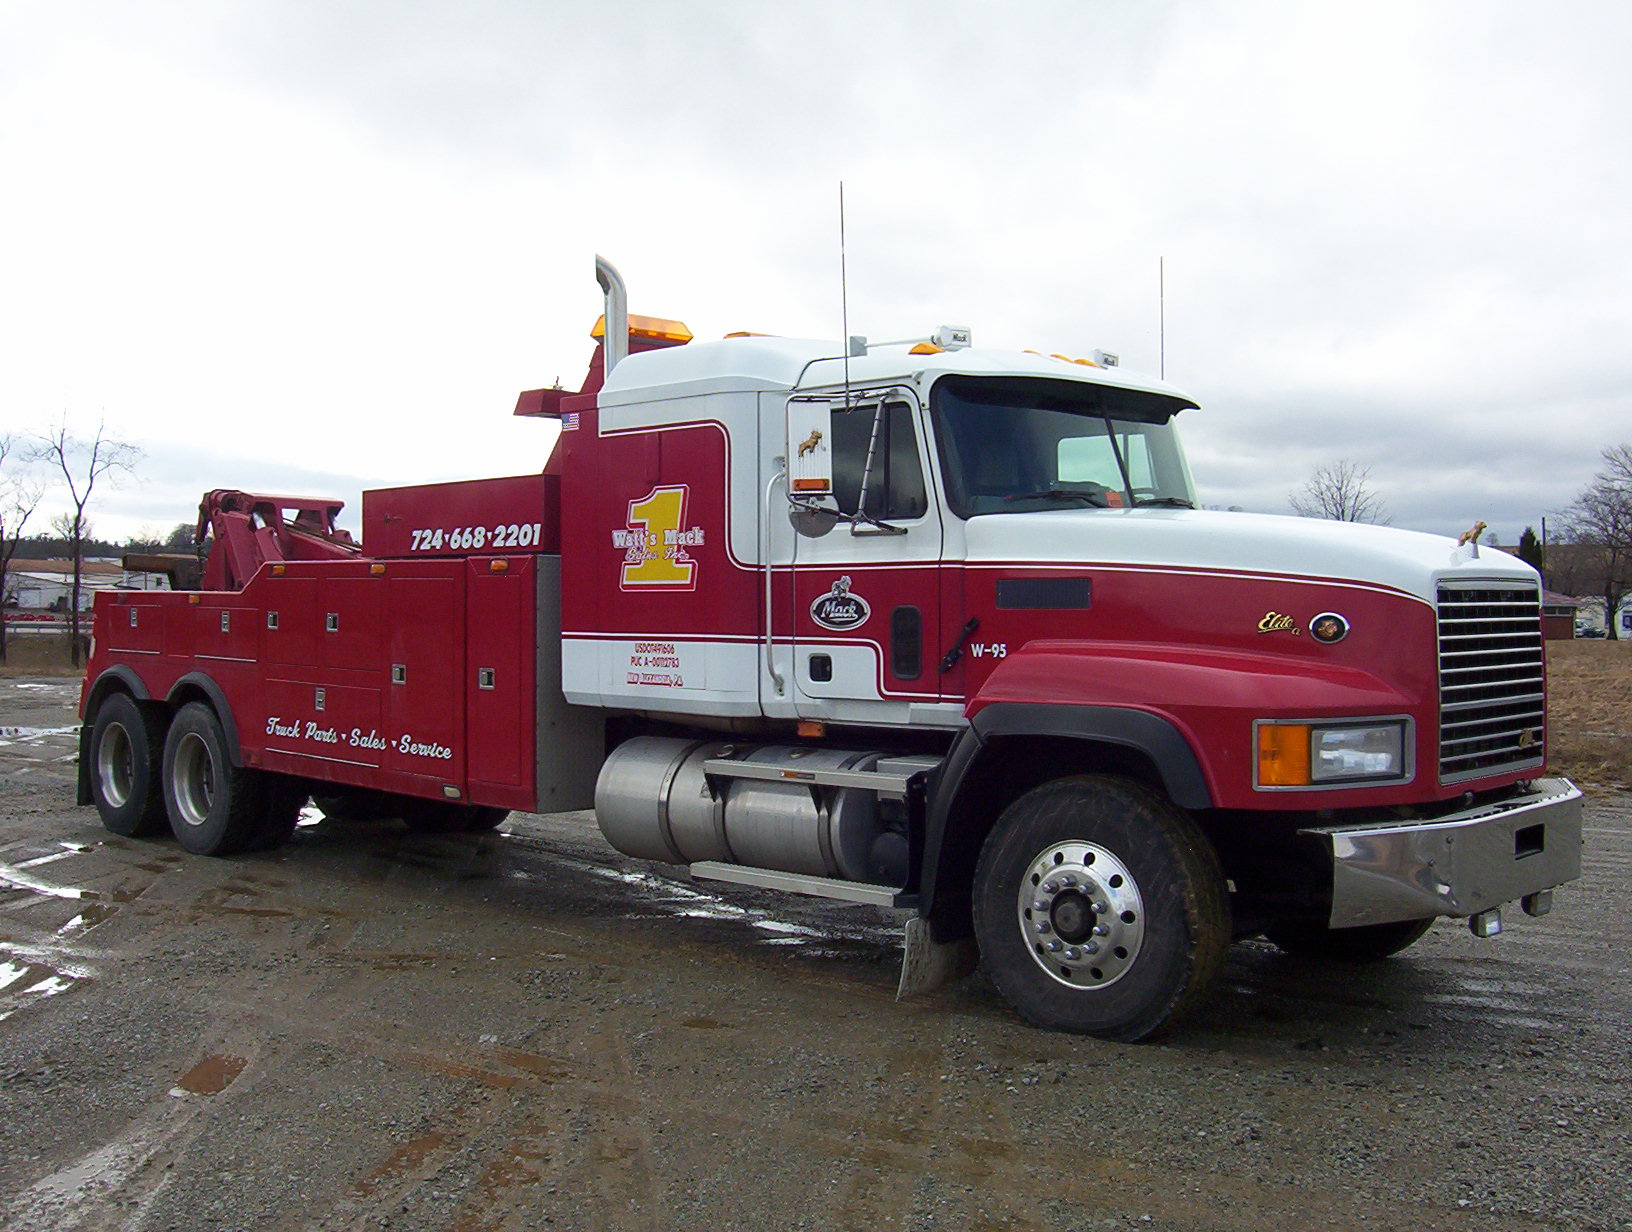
x: 856, y: 586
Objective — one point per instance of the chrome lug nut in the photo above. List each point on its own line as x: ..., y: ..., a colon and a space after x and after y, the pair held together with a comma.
x: 1073, y: 953
x: 1101, y: 931
x: 1054, y: 947
x: 1097, y: 908
x: 1043, y: 926
x: 1091, y: 948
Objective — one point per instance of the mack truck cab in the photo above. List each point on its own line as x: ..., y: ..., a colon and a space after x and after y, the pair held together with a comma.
x: 938, y: 628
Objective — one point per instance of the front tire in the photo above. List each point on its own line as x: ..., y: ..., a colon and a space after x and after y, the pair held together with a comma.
x: 127, y: 743
x: 1100, y: 909
x: 1368, y: 943
x: 215, y: 808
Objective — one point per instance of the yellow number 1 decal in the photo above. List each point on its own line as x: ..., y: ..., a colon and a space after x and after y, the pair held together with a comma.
x: 658, y: 557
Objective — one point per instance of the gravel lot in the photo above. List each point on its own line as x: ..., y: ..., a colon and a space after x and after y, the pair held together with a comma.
x: 368, y: 1029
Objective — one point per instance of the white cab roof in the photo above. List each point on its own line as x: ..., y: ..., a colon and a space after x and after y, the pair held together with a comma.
x: 797, y: 363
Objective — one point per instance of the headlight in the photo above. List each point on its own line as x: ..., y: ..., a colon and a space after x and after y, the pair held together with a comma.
x: 1321, y: 754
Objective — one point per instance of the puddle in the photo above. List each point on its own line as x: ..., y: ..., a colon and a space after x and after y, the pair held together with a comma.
x: 23, y: 982
x: 210, y: 1076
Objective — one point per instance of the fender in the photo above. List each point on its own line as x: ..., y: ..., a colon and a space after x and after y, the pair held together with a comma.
x: 198, y: 681
x: 1213, y: 698
x: 117, y: 678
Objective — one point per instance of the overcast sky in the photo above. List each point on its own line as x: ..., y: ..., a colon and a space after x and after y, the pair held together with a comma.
x: 300, y: 245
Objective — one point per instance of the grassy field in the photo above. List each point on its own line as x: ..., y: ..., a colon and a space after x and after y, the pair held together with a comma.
x: 1589, y: 702
x: 1589, y: 711
x: 38, y: 654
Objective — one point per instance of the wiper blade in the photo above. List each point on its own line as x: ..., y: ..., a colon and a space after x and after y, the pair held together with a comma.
x: 1173, y: 502
x: 1094, y: 496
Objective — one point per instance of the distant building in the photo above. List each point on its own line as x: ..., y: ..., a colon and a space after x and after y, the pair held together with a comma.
x: 1558, y: 616
x: 46, y: 585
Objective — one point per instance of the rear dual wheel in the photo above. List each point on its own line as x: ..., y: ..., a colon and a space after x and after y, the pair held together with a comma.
x: 216, y: 808
x: 127, y: 744
x: 1100, y: 908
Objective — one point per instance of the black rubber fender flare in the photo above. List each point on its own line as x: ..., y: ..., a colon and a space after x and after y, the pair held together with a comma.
x: 116, y: 679
x: 1152, y: 735
x: 213, y: 693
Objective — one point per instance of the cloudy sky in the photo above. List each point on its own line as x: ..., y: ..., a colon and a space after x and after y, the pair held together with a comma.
x: 299, y: 245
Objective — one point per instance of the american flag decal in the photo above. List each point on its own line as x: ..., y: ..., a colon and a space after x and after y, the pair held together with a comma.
x: 569, y: 421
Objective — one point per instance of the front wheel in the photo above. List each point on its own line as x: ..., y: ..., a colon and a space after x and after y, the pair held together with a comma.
x: 1100, y: 908
x: 1368, y: 943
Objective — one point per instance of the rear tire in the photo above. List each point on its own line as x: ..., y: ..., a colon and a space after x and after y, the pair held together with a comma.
x: 1368, y: 943
x: 215, y: 808
x: 127, y: 745
x: 1100, y: 909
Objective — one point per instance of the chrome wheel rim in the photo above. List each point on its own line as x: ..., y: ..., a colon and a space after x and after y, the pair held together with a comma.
x: 1081, y: 915
x: 115, y: 764
x: 194, y: 779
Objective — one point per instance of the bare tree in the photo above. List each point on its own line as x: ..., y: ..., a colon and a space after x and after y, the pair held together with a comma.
x: 20, y: 492
x: 1601, y: 521
x: 82, y: 463
x: 1340, y: 491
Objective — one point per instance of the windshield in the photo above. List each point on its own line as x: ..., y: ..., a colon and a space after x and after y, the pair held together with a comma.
x: 1014, y: 445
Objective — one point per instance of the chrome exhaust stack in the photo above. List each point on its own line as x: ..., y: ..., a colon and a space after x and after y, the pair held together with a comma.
x: 615, y: 343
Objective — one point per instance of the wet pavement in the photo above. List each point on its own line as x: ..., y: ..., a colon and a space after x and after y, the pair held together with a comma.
x: 372, y: 1029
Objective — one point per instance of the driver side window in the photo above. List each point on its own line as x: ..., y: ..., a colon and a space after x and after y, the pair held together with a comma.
x: 896, y: 490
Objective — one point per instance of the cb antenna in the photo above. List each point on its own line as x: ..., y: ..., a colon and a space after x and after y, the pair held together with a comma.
x: 844, y: 297
x: 1161, y: 303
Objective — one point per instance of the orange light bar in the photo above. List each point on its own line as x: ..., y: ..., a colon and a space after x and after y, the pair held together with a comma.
x: 278, y: 570
x: 1283, y: 755
x: 655, y: 328
x: 376, y: 570
x: 926, y: 348
x: 498, y: 566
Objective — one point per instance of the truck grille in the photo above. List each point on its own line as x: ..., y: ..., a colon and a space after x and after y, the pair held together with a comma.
x: 1492, y: 693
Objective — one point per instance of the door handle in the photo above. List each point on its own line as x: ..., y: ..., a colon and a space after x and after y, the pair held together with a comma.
x: 950, y: 658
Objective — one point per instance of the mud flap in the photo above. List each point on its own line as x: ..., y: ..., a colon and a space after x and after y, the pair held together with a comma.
x: 927, y: 964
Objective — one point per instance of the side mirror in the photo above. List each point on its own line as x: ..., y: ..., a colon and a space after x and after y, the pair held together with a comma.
x: 810, y: 449
x: 811, y: 521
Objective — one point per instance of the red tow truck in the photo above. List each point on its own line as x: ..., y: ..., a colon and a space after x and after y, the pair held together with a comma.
x: 919, y: 625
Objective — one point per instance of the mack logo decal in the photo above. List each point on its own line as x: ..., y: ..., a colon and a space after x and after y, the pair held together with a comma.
x: 839, y: 609
x: 1277, y: 622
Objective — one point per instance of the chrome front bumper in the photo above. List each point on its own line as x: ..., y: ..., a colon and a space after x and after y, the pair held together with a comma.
x: 1458, y: 865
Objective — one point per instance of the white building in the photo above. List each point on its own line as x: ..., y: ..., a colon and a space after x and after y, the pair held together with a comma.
x: 45, y: 585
